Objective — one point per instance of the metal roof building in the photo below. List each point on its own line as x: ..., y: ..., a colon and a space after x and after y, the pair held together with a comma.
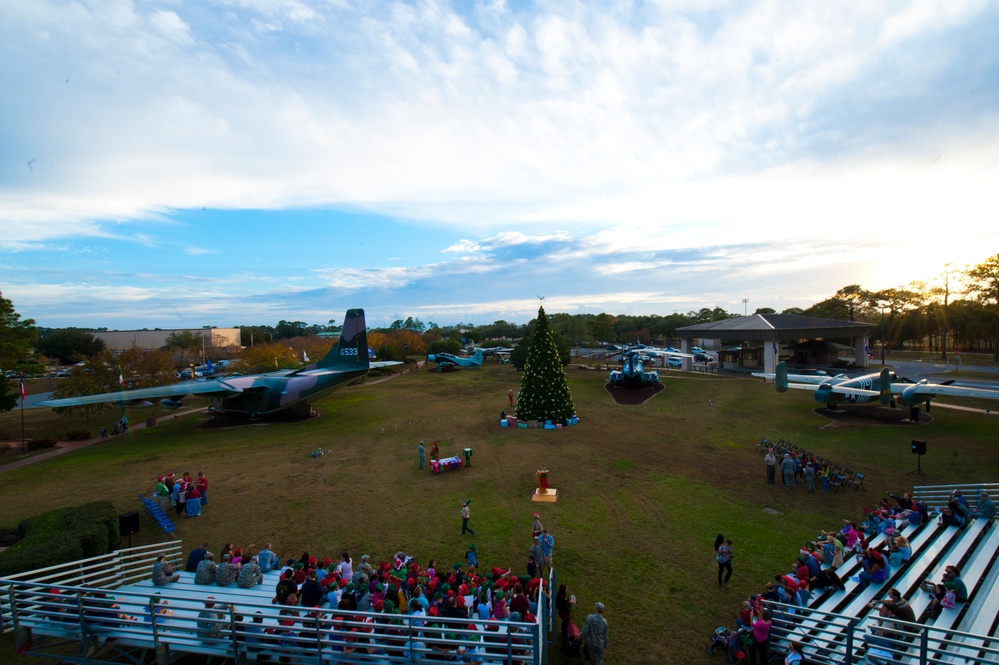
x: 776, y: 328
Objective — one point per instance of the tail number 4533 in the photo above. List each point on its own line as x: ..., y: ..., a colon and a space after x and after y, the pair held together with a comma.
x: 349, y: 351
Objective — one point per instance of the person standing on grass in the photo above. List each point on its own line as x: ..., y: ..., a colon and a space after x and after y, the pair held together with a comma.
x: 761, y: 637
x: 787, y: 470
x: 162, y: 494
x: 547, y: 547
x: 771, y: 461
x: 724, y: 557
x: 465, y: 515
x: 202, y: 484
x: 422, y: 452
x: 595, y: 635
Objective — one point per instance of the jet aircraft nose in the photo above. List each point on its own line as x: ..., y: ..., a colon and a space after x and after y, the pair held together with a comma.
x: 431, y: 358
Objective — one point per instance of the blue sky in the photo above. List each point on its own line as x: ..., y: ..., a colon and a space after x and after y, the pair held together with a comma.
x: 172, y: 163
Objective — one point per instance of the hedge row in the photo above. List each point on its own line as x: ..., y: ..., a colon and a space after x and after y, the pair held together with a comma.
x: 61, y: 536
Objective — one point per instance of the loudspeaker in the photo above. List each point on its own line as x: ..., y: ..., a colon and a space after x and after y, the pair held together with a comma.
x: 918, y: 447
x: 128, y: 523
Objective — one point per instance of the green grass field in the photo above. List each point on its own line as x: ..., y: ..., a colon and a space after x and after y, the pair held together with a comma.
x: 642, y: 490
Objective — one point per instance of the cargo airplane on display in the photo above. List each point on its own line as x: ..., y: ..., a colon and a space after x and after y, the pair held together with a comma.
x: 883, y: 386
x: 262, y: 394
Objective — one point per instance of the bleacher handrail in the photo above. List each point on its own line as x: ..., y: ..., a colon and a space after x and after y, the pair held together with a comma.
x: 936, y: 496
x: 107, y: 571
x: 921, y: 635
x: 76, y: 613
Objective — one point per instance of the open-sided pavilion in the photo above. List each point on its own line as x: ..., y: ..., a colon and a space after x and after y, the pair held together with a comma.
x: 777, y: 328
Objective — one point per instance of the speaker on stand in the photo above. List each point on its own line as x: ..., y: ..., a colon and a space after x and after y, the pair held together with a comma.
x: 918, y: 449
x: 128, y: 523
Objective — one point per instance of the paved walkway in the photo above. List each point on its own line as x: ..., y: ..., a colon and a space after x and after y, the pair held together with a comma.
x: 64, y: 447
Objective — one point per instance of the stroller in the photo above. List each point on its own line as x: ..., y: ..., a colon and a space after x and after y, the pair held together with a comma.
x: 733, y: 643
x: 573, y: 645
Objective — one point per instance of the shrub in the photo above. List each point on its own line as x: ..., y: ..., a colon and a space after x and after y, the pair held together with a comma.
x: 78, y: 434
x: 61, y: 536
x: 38, y: 444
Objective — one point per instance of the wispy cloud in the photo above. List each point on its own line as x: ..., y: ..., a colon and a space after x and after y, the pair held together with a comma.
x: 592, y: 150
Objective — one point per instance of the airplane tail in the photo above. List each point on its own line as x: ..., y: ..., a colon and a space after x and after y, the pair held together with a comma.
x: 478, y: 356
x: 780, y: 380
x: 351, y: 351
x: 885, y: 386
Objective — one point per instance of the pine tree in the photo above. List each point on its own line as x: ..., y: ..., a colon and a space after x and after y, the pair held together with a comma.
x: 544, y: 391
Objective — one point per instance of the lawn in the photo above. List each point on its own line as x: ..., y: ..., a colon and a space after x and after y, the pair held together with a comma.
x: 642, y: 490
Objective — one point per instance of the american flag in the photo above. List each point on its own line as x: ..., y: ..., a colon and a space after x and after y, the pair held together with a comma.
x: 24, y: 392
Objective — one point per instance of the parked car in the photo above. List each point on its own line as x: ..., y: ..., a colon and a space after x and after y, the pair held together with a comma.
x: 673, y: 361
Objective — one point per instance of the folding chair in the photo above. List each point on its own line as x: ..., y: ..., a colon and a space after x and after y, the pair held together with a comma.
x: 836, y: 481
x: 858, y: 482
x: 844, y: 480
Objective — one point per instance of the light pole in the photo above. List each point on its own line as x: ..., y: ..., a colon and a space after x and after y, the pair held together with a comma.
x: 745, y: 308
x: 882, y: 335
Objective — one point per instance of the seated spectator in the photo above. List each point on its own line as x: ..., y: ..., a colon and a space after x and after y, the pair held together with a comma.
x: 947, y: 594
x: 195, y: 557
x: 206, y: 570
x: 950, y: 515
x: 312, y: 592
x: 163, y: 572
x: 211, y: 620
x: 875, y: 569
x: 267, y: 559
x: 900, y: 550
x: 985, y: 509
x: 896, y: 606
x: 249, y: 575
x: 827, y: 577
x: 794, y: 654
x: 226, y: 573
x: 285, y: 587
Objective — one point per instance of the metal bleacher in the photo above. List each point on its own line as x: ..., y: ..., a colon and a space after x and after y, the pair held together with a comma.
x: 108, y: 611
x: 833, y: 628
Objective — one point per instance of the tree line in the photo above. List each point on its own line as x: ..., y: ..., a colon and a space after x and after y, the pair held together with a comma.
x: 958, y: 310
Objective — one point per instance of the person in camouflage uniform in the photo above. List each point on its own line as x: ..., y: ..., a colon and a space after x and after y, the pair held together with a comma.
x: 539, y: 555
x: 211, y: 621
x: 227, y: 571
x: 249, y: 575
x: 205, y: 574
x: 595, y: 635
x: 163, y: 572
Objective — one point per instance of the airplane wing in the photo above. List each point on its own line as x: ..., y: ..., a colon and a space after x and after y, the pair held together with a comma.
x: 203, y: 388
x: 931, y: 389
x: 384, y: 363
x: 807, y: 379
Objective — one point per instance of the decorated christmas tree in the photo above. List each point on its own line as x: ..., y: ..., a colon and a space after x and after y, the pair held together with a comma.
x: 544, y: 392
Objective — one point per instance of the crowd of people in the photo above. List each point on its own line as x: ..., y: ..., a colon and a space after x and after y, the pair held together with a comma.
x: 794, y: 468
x: 815, y: 568
x: 309, y: 585
x: 182, y: 494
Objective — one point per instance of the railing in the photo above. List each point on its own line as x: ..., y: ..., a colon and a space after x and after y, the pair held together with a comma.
x: 838, y: 639
x: 108, y: 571
x: 251, y: 630
x: 936, y: 496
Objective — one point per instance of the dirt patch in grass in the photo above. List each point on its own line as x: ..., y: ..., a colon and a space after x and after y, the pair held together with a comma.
x: 632, y: 396
x: 871, y: 414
